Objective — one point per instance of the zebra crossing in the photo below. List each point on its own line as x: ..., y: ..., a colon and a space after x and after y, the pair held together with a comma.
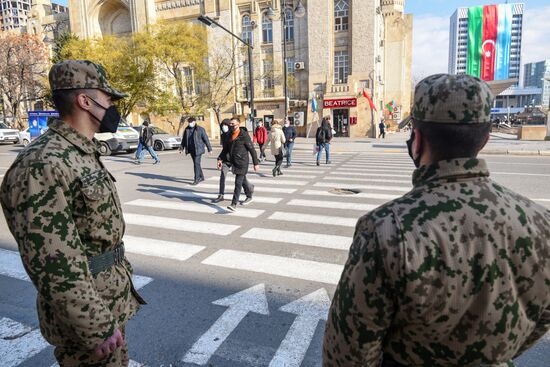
x: 298, y: 228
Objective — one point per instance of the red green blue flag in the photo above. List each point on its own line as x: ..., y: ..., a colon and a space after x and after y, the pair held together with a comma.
x: 489, y: 39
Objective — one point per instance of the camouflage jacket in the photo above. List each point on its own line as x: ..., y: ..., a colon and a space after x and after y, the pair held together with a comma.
x: 454, y: 273
x: 61, y: 205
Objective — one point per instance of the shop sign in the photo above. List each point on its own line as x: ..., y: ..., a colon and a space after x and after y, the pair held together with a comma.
x: 340, y: 103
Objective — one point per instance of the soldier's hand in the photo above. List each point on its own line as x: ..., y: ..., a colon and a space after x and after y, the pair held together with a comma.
x: 110, y: 345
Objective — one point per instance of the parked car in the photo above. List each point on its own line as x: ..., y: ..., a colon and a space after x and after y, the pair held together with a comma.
x: 24, y: 137
x: 8, y: 135
x: 125, y: 139
x: 161, y: 139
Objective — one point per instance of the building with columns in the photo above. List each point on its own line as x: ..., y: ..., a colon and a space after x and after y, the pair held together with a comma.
x: 333, y: 53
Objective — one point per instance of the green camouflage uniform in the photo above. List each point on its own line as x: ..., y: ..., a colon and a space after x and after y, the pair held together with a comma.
x: 454, y: 273
x: 62, y: 207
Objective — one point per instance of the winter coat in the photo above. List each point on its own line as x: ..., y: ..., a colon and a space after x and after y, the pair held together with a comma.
x: 382, y: 126
x: 260, y: 135
x: 146, y: 136
x: 236, y: 152
x: 290, y: 134
x: 200, y: 139
x: 323, y: 134
x: 276, y: 139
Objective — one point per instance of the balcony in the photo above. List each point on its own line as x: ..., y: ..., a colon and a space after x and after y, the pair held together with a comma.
x: 339, y: 88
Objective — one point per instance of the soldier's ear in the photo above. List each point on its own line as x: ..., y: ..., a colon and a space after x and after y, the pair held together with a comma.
x: 83, y: 102
x: 418, y: 142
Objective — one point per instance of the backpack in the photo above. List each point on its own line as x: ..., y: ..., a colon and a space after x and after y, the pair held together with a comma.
x: 320, y: 135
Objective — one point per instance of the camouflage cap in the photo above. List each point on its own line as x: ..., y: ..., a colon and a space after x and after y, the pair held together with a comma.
x: 452, y: 99
x: 81, y: 74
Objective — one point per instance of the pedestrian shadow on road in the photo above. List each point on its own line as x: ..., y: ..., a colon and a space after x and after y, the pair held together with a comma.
x: 151, y: 176
x: 171, y: 192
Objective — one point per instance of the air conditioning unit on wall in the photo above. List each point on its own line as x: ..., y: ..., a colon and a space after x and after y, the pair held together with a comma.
x: 299, y: 66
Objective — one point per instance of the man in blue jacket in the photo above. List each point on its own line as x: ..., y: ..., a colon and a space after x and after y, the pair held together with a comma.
x: 193, y: 142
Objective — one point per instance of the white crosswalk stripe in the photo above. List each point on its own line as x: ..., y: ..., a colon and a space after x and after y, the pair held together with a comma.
x: 312, y: 218
x: 351, y: 171
x: 299, y: 238
x: 331, y: 205
x: 184, y: 225
x: 376, y: 165
x: 370, y: 174
x: 276, y: 265
x: 265, y: 181
x: 157, y: 248
x: 362, y: 195
x: 229, y: 188
x: 369, y: 179
x: 365, y: 187
x: 195, y: 207
x: 286, y: 174
x: 203, y: 195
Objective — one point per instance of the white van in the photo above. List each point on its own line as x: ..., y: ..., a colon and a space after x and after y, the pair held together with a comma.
x: 125, y: 139
x: 8, y: 135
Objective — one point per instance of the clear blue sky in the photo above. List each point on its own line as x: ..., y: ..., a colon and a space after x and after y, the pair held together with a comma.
x: 447, y: 7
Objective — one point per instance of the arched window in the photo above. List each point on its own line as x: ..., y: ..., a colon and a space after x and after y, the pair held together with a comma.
x: 246, y: 26
x: 289, y: 20
x: 341, y: 15
x: 267, y: 29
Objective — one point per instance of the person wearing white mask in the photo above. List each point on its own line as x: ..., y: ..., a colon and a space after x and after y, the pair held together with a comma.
x: 226, y: 164
x: 193, y: 142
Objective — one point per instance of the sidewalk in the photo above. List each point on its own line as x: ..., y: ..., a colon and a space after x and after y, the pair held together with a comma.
x: 499, y: 143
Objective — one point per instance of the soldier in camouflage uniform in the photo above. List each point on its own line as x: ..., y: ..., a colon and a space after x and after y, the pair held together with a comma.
x: 62, y: 207
x: 457, y: 271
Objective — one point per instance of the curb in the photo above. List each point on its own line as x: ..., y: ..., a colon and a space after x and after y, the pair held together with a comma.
x: 545, y: 153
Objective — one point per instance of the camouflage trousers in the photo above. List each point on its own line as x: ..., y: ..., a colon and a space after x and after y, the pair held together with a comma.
x: 77, y: 358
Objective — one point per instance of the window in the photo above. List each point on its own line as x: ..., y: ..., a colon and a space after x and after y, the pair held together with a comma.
x: 341, y: 12
x: 289, y: 31
x: 267, y: 30
x: 188, y: 79
x: 268, y: 80
x: 290, y: 65
x: 341, y: 67
x: 246, y: 29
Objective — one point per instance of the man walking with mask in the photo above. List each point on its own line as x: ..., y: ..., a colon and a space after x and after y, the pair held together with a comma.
x: 193, y: 142
x: 62, y: 207
x: 146, y: 140
x: 226, y: 164
x: 455, y: 272
x: 235, y: 150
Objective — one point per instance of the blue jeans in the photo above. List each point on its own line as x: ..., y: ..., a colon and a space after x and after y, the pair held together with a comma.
x: 138, y: 151
x: 150, y: 150
x: 289, y: 147
x: 326, y: 147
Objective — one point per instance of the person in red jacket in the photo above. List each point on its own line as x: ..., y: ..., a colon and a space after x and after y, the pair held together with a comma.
x: 260, y: 137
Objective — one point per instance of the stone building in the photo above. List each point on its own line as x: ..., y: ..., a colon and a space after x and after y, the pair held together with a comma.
x: 333, y: 53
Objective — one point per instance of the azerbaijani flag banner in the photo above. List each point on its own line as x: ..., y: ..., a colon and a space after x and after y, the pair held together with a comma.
x: 489, y: 39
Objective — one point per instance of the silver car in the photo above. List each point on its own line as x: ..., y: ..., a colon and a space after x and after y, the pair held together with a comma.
x: 162, y: 140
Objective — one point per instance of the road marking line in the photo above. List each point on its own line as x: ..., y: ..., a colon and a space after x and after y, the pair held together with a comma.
x: 310, y: 218
x: 378, y: 164
x: 286, y: 174
x: 193, y: 206
x: 265, y: 181
x: 277, y: 190
x: 332, y: 205
x: 276, y: 265
x: 543, y: 200
x: 381, y: 169
x: 300, y: 238
x: 18, y: 342
x: 520, y: 174
x: 157, y: 248
x: 183, y: 225
x: 368, y: 179
x: 11, y: 266
x: 365, y: 187
x: 204, y: 195
x: 362, y: 195
x: 340, y: 173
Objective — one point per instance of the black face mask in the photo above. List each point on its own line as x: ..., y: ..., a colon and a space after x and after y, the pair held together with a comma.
x: 409, y: 148
x: 233, y: 128
x: 111, y: 119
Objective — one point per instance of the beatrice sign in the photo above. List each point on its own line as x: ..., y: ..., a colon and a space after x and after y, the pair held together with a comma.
x: 340, y: 103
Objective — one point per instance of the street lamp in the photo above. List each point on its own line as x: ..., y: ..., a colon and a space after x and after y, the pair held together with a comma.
x: 208, y: 22
x: 299, y: 12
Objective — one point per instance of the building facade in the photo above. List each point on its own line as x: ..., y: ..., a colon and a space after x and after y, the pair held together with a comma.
x: 333, y: 53
x: 14, y: 15
x: 537, y: 74
x: 460, y: 39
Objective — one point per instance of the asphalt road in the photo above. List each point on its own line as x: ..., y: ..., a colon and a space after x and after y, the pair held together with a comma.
x: 249, y: 288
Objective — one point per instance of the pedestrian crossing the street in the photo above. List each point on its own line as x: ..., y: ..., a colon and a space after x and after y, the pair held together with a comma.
x: 299, y: 226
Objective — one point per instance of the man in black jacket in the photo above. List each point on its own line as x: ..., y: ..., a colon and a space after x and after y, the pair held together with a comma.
x: 193, y: 142
x: 290, y: 135
x: 235, y: 150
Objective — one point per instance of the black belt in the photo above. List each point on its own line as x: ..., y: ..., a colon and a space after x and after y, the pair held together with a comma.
x: 102, y: 262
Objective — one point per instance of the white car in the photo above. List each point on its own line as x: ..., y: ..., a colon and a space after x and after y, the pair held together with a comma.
x: 24, y: 137
x: 8, y: 135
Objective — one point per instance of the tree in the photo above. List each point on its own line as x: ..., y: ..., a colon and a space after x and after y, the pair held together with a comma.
x: 129, y: 65
x: 60, y: 43
x: 23, y: 63
x: 221, y: 65
x: 180, y: 50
